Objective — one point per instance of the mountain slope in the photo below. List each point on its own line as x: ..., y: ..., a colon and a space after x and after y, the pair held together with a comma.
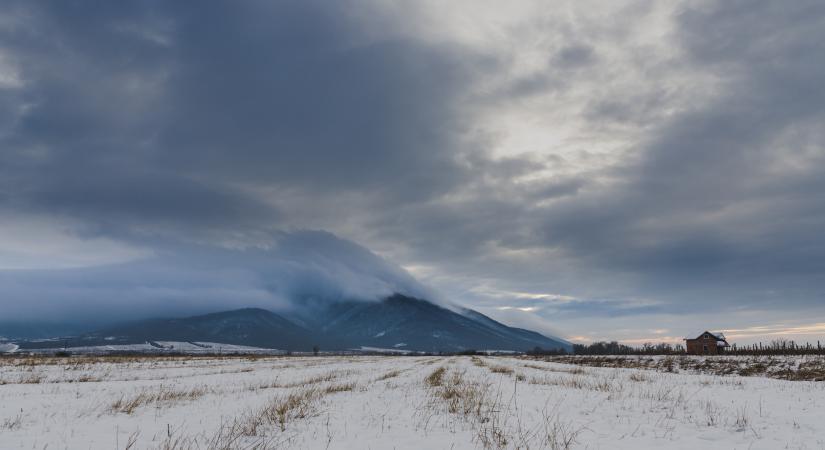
x: 414, y: 324
x: 538, y: 339
x: 399, y: 322
x: 250, y: 326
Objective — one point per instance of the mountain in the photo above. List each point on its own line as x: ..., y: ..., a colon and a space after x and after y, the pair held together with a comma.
x: 249, y: 326
x: 39, y: 330
x: 413, y: 324
x: 397, y: 322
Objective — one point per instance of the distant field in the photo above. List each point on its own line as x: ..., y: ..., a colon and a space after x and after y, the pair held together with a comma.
x: 377, y: 402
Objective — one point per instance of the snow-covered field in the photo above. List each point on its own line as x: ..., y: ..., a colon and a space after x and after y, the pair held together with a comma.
x: 155, y: 347
x: 375, y: 402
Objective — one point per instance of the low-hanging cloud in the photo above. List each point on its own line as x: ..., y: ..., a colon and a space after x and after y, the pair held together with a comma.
x: 185, y: 279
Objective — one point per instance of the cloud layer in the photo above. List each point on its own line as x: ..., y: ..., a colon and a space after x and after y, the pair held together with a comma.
x: 189, y: 279
x: 578, y: 166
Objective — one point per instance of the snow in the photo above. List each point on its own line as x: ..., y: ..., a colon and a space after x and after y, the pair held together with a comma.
x: 8, y: 348
x: 383, y: 350
x: 163, y: 347
x: 384, y: 402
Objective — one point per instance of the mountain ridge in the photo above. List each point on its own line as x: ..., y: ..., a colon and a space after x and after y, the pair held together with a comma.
x: 395, y: 322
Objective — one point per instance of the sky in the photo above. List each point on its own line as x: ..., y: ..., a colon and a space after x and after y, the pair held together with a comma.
x: 638, y: 170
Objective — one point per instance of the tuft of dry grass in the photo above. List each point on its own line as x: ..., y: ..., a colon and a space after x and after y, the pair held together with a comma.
x: 577, y: 382
x: 252, y: 429
x: 436, y: 378
x: 638, y: 377
x: 12, y: 423
x: 318, y: 379
x: 501, y: 369
x: 284, y: 409
x: 388, y: 375
x: 574, y: 370
x: 344, y: 387
x: 128, y: 405
x: 459, y: 395
x: 32, y: 378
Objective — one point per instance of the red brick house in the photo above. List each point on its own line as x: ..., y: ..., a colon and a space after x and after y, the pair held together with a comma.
x: 707, y: 344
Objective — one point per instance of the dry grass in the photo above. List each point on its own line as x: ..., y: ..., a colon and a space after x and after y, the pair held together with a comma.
x: 388, y: 375
x: 436, y: 378
x: 12, y: 423
x: 86, y: 378
x: 279, y: 412
x: 574, y: 370
x: 578, y: 382
x: 317, y: 379
x: 472, y: 401
x: 31, y: 378
x: 462, y: 397
x: 344, y: 387
x: 638, y: 377
x: 501, y: 369
x: 477, y: 403
x: 128, y: 405
x: 793, y: 368
x: 296, y: 405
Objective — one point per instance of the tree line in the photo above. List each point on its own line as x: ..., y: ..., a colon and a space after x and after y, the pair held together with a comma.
x: 775, y: 347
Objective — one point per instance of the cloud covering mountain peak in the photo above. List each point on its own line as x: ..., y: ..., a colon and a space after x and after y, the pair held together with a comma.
x: 187, y: 278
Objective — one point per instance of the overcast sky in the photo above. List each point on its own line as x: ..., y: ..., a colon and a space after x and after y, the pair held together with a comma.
x: 596, y: 170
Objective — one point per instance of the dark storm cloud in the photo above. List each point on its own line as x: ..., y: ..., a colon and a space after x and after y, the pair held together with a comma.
x: 300, y: 106
x: 154, y: 112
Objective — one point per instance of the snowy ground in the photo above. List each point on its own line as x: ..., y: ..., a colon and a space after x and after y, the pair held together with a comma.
x: 367, y: 402
x: 153, y: 347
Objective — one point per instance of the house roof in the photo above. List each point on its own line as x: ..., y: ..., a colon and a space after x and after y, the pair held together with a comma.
x: 718, y: 335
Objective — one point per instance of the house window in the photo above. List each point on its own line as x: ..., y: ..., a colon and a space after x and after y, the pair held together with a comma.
x: 704, y: 349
